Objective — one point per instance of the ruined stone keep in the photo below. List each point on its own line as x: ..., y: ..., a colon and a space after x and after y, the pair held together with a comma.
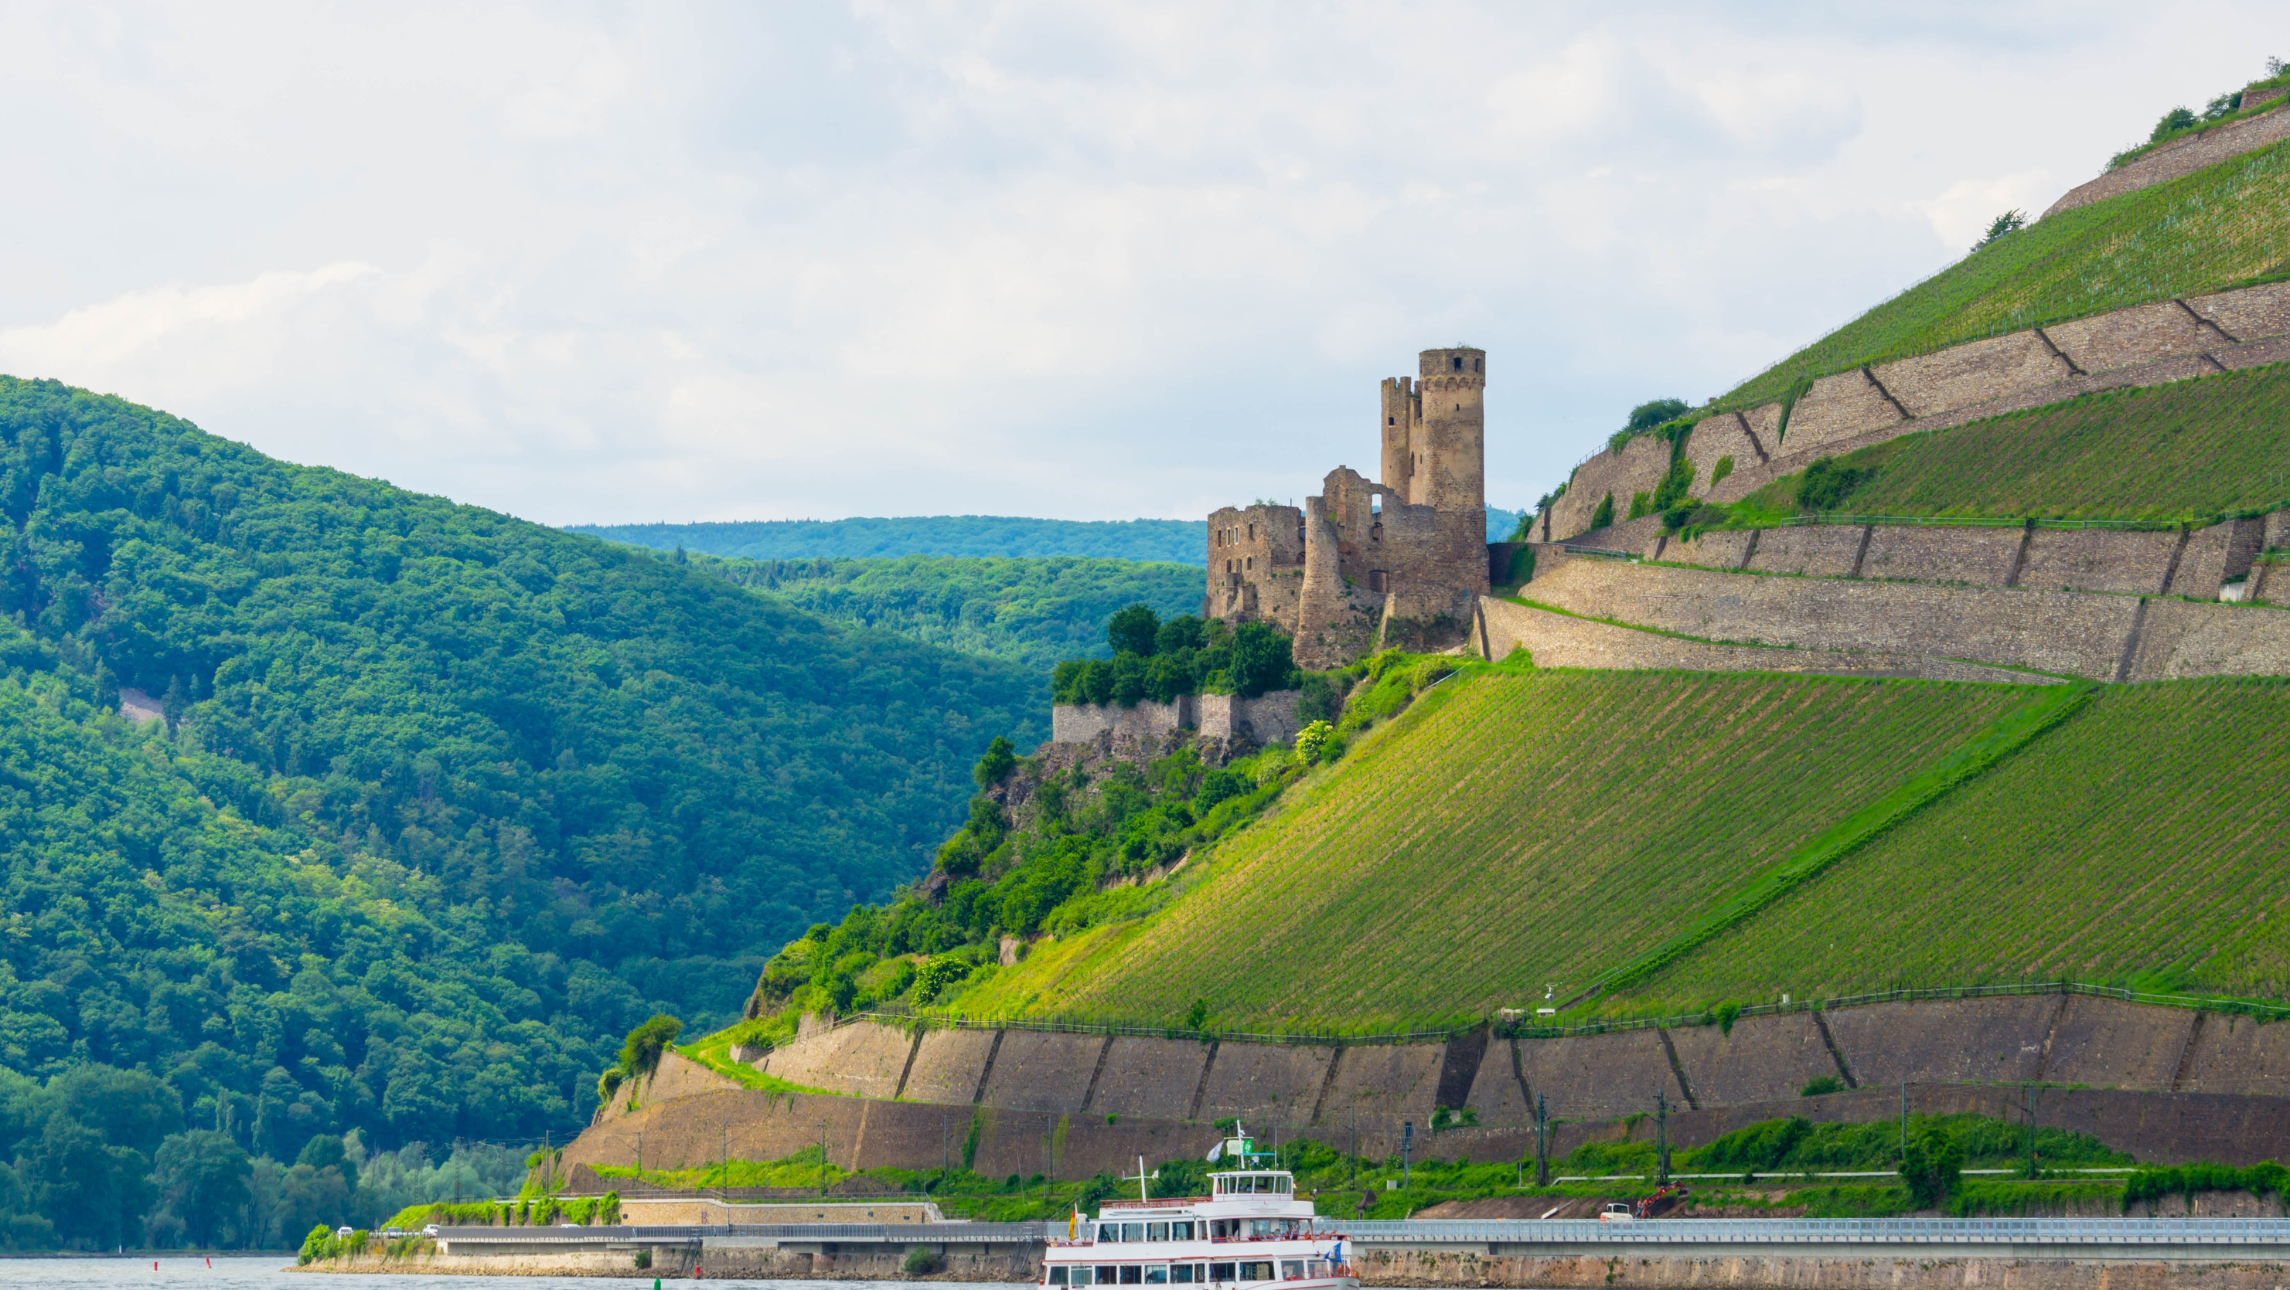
x: 1369, y: 564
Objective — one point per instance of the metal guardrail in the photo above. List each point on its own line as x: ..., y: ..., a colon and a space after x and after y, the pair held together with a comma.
x: 2093, y: 1232
x: 1972, y: 522
x: 1516, y: 1026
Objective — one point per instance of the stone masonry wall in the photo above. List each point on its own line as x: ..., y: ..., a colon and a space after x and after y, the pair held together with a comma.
x: 1264, y: 720
x: 1146, y: 724
x: 2059, y: 632
x: 2145, y: 345
x: 2179, y: 159
x: 1562, y: 640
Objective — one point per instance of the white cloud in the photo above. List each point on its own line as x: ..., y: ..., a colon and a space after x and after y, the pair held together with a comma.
x: 1087, y: 258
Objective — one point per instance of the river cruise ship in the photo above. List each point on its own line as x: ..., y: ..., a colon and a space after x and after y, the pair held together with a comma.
x: 1250, y: 1230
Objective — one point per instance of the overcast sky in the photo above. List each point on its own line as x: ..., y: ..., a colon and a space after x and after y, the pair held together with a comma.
x: 598, y: 263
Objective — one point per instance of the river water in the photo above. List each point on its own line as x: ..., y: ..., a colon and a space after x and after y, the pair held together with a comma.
x: 269, y: 1272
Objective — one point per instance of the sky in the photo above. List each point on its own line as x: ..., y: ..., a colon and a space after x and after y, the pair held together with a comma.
x: 596, y: 263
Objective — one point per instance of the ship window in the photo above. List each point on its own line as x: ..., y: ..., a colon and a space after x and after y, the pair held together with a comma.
x: 1157, y: 1274
x: 1156, y: 1231
x: 1057, y: 1276
x: 1316, y: 1267
x: 1181, y: 1274
x: 1107, y: 1274
x: 1292, y: 1269
x: 1180, y: 1231
x: 1221, y: 1272
x: 1132, y: 1231
x: 1132, y: 1274
x: 1286, y: 1185
x: 1255, y: 1271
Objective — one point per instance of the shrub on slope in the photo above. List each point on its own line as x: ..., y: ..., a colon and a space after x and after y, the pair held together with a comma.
x: 622, y: 776
x: 2187, y: 450
x: 1511, y: 833
x: 2214, y: 229
x: 2139, y: 842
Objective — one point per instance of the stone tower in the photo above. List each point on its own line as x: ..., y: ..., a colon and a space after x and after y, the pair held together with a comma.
x: 1403, y: 412
x: 1448, y: 460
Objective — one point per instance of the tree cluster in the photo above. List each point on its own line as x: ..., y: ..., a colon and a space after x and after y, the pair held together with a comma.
x: 1160, y: 661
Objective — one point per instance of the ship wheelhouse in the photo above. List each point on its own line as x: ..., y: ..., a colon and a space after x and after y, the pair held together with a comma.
x: 1251, y: 1230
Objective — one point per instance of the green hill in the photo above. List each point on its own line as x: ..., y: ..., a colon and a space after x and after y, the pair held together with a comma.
x: 963, y: 536
x: 1032, y: 612
x: 2188, y: 450
x: 968, y: 536
x: 2216, y: 229
x: 451, y: 801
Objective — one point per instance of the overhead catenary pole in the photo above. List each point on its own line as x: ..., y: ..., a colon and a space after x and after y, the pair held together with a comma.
x: 1661, y: 1138
x: 1542, y: 1141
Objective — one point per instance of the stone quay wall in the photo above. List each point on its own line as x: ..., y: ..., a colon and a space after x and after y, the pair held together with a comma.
x: 2149, y: 344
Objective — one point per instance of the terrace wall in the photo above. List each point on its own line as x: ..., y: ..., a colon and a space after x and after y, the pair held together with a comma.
x: 863, y: 1059
x: 2179, y: 158
x: 2149, y: 344
x: 1562, y: 640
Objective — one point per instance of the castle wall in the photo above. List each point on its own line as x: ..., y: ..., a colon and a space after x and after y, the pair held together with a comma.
x: 1255, y: 563
x: 1145, y: 725
x: 1264, y: 720
x: 2179, y: 159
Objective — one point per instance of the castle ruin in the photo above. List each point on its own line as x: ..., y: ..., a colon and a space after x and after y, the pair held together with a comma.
x: 1370, y: 564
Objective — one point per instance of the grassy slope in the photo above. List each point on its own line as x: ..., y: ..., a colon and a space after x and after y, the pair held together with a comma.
x: 2186, y: 450
x: 2211, y: 230
x: 2141, y: 840
x: 1507, y: 834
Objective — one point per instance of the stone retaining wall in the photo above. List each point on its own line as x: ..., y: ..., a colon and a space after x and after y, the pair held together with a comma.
x: 2180, y: 158
x: 2098, y: 637
x: 2148, y: 344
x: 1562, y: 640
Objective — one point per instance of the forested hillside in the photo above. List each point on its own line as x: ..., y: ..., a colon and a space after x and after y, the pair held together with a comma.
x: 443, y: 803
x: 975, y: 536
x: 1033, y: 612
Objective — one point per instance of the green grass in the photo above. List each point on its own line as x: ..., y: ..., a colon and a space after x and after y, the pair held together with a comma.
x: 1505, y: 834
x: 2140, y: 842
x: 2217, y: 228
x: 2187, y: 450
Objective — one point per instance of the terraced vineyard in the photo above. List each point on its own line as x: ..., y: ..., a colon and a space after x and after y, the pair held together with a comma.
x: 2140, y: 841
x: 2214, y: 229
x: 1509, y: 834
x: 2187, y: 450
